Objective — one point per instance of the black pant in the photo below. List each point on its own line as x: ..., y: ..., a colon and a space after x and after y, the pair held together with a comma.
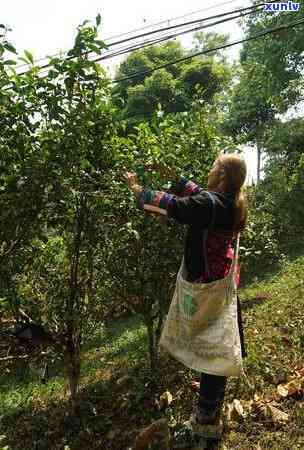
x: 212, y: 392
x: 212, y: 387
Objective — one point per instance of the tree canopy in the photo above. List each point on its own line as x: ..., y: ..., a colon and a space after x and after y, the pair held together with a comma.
x: 173, y: 87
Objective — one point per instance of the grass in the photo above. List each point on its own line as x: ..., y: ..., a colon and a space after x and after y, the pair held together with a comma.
x: 122, y: 338
x: 274, y: 332
x: 118, y: 392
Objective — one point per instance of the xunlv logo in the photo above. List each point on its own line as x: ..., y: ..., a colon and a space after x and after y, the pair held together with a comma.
x: 288, y: 6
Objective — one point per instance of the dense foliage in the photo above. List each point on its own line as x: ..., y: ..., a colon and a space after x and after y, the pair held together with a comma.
x: 173, y: 87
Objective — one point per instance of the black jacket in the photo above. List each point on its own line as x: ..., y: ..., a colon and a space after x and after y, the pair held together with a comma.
x: 196, y: 212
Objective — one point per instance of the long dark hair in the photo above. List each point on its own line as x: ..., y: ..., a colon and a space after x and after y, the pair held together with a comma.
x: 235, y: 170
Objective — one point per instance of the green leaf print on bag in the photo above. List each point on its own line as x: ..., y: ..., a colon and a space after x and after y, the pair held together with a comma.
x: 189, y: 306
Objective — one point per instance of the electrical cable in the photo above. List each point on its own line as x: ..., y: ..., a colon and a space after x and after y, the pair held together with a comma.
x: 168, y: 37
x: 192, y: 22
x: 143, y: 28
x: 176, y: 18
x: 258, y: 35
x: 254, y: 8
x: 165, y: 37
x: 204, y: 52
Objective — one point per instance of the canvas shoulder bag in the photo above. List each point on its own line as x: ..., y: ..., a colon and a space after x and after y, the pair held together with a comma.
x: 201, y: 329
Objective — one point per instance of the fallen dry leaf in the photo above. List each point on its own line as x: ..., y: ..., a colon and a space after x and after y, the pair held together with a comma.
x: 179, y: 393
x: 151, y: 432
x: 261, y: 297
x: 293, y: 387
x: 247, y: 404
x: 238, y: 407
x: 235, y: 411
x: 279, y: 378
x: 276, y: 415
x: 165, y: 399
x: 272, y: 347
x: 123, y: 379
x: 270, y: 413
x: 286, y: 340
x: 172, y: 422
x: 195, y: 385
x: 256, y: 397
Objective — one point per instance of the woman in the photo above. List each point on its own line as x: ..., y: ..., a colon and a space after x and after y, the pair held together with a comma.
x: 191, y: 205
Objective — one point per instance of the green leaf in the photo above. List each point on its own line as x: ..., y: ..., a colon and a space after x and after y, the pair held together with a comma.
x: 10, y: 48
x: 95, y: 48
x: 98, y: 20
x: 23, y: 60
x: 85, y: 164
x: 54, y: 61
x: 29, y: 56
x: 53, y: 74
x: 9, y: 62
x: 101, y: 43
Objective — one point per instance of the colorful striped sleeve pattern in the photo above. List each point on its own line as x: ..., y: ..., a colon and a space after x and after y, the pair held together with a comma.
x: 155, y: 198
x: 183, y: 188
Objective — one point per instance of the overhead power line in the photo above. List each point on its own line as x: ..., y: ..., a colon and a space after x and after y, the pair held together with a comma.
x: 164, y: 37
x: 175, y: 18
x: 205, y: 52
x: 127, y: 33
x: 168, y: 37
x: 143, y: 35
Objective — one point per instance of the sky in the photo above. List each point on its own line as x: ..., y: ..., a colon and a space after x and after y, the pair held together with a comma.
x: 45, y: 28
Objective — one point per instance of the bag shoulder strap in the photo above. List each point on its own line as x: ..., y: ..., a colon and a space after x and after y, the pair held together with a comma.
x: 236, y: 252
x: 206, y: 233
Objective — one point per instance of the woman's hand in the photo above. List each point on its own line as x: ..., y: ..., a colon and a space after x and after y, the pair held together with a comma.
x: 131, y: 179
x: 132, y: 182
